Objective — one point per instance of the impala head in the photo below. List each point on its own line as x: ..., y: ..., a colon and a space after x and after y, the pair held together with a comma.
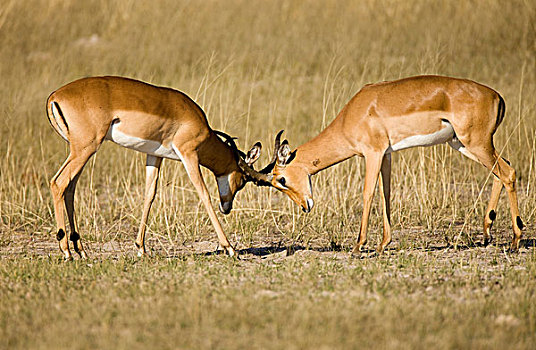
x: 286, y: 176
x: 230, y: 184
x: 292, y: 179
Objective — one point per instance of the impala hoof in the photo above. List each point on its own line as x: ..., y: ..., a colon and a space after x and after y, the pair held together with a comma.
x: 141, y: 250
x: 232, y: 252
x: 356, y: 253
x: 142, y: 254
x: 514, y: 248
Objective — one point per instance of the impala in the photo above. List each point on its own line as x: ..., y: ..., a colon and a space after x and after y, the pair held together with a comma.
x: 391, y: 116
x: 158, y: 121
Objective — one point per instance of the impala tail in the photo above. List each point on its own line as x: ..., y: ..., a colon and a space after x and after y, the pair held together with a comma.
x: 57, y: 119
x: 501, y: 108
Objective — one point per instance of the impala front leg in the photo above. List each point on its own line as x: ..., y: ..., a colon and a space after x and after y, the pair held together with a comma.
x: 491, y: 213
x: 385, y: 191
x: 372, y: 165
x: 152, y: 166
x: 191, y: 164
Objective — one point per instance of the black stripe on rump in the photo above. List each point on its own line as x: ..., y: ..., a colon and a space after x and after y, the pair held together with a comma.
x: 61, y: 114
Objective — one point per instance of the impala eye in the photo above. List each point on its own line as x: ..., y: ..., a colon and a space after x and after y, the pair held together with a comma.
x: 282, y: 181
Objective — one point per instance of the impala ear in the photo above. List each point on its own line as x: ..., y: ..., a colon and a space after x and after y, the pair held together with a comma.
x: 253, y: 154
x: 283, y: 154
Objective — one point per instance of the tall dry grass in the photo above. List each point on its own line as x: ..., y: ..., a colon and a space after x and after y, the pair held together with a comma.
x: 257, y: 67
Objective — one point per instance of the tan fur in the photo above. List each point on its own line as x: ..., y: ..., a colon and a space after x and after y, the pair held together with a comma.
x: 384, y: 114
x: 91, y: 107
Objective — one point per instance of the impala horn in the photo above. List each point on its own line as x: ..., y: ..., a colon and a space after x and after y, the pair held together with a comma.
x: 267, y: 169
x: 259, y: 179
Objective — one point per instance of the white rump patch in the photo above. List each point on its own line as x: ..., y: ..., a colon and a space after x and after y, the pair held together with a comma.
x: 444, y: 135
x: 151, y: 147
x: 56, y: 115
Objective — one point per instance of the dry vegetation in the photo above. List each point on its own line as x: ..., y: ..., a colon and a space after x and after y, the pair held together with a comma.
x: 256, y: 67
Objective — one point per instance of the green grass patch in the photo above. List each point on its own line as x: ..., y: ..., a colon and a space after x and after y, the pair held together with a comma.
x: 302, y: 301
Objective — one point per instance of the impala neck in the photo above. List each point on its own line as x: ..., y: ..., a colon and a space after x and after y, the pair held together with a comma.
x: 217, y: 156
x: 326, y: 149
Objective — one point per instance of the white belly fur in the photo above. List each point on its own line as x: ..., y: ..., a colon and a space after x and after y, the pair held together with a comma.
x: 145, y: 146
x: 444, y: 135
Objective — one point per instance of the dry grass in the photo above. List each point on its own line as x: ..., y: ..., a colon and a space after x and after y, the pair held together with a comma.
x: 257, y: 67
x: 309, y: 300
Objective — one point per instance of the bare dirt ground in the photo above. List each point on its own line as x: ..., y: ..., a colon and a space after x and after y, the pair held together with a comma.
x: 269, y: 248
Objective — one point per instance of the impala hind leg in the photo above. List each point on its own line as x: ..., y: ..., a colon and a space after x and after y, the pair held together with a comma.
x: 484, y: 155
x: 488, y: 157
x: 491, y: 211
x: 69, y: 206
x: 62, y: 186
x: 507, y: 175
x: 372, y: 170
x: 152, y: 169
x: 191, y: 163
x: 508, y: 178
x: 385, y: 192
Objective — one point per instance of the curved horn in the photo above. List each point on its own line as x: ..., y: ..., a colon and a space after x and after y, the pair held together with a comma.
x: 230, y: 140
x: 256, y: 177
x: 253, y: 175
x: 272, y: 163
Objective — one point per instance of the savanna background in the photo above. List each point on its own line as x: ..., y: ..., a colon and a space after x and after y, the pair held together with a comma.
x: 256, y: 67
